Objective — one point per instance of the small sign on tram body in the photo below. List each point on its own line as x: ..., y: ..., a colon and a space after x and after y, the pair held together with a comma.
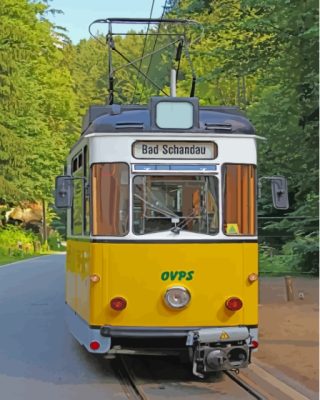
x: 175, y: 150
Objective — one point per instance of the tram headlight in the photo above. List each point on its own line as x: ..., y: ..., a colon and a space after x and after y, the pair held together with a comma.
x: 177, y: 297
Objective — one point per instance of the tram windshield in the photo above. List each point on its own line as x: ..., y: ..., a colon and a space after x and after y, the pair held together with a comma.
x: 175, y: 203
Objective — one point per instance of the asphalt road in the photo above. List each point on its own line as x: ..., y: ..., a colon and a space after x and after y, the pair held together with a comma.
x: 38, y: 357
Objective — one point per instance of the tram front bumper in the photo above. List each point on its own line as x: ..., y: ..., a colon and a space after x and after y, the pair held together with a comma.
x: 205, y: 335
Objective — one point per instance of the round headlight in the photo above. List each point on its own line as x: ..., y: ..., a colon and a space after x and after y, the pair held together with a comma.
x: 177, y: 297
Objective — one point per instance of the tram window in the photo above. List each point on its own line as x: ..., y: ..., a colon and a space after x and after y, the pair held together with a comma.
x: 174, y: 115
x: 86, y: 194
x: 239, y: 199
x: 188, y: 203
x: 74, y: 164
x: 110, y: 198
x: 78, y: 193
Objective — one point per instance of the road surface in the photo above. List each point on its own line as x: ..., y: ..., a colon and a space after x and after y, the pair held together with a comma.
x: 38, y: 357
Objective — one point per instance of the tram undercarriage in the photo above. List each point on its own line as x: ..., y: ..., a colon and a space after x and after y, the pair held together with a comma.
x: 207, y: 350
x: 201, y: 348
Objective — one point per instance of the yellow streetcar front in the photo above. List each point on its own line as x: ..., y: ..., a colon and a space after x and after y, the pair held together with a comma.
x: 162, y: 245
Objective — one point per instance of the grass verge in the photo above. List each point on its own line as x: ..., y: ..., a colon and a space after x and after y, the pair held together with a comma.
x: 11, y: 259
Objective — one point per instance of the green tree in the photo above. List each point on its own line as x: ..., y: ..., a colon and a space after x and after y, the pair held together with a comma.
x: 37, y: 102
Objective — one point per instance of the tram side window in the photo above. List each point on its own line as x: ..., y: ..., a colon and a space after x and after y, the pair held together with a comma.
x: 110, y: 199
x: 239, y: 199
x: 77, y: 206
x: 86, y: 203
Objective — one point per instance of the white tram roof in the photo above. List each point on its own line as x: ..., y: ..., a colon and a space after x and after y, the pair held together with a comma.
x: 140, y: 118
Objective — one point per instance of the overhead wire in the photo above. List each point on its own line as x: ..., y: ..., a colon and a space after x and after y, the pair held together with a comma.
x: 143, y: 50
x: 154, y: 46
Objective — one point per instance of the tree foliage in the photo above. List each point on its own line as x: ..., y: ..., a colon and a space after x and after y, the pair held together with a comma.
x: 37, y: 102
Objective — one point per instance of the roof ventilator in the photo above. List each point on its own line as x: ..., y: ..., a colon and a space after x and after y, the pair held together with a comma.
x: 218, y: 128
x: 129, y: 125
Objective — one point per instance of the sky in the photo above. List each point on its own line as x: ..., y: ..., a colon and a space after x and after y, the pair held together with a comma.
x: 78, y: 14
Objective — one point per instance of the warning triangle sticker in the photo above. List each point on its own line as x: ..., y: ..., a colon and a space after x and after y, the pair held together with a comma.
x: 232, y: 229
x: 224, y: 336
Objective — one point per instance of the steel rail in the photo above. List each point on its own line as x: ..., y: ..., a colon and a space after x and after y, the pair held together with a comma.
x: 134, y: 392
x: 244, y: 385
x: 127, y: 380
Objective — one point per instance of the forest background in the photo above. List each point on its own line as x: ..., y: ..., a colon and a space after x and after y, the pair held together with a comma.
x: 259, y: 55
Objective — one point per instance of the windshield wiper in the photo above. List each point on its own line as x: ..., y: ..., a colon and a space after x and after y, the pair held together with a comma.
x: 154, y: 207
x: 188, y: 218
x: 184, y: 221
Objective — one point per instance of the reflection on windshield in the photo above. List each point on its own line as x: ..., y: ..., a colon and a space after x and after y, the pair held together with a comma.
x: 188, y: 203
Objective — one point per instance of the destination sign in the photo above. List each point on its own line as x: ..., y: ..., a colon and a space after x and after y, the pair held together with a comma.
x: 175, y: 150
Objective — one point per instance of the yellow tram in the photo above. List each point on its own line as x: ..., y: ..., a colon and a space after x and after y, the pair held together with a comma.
x: 162, y: 254
x: 162, y: 241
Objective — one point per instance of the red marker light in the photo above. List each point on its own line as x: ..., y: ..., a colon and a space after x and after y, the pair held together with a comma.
x: 118, y: 303
x: 233, y: 304
x: 94, y: 345
x: 254, y: 344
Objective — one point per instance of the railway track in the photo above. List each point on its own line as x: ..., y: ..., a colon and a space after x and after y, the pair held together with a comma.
x: 256, y: 395
x: 127, y: 380
x: 157, y: 378
x: 142, y: 381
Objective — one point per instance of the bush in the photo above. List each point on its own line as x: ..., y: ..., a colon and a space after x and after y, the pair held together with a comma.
x: 298, y: 256
x: 303, y: 252
x: 270, y: 262
x: 16, y: 241
x: 54, y: 241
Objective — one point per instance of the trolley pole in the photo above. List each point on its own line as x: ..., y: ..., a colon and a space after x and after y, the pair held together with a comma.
x: 173, y: 83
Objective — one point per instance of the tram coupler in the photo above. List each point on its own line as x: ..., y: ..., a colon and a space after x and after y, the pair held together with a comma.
x: 216, y: 356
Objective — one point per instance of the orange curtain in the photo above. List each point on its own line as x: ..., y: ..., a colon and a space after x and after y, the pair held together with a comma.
x: 108, y: 194
x: 239, y: 199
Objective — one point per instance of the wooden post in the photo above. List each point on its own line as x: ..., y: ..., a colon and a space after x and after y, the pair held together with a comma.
x: 44, y: 225
x: 289, y: 288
